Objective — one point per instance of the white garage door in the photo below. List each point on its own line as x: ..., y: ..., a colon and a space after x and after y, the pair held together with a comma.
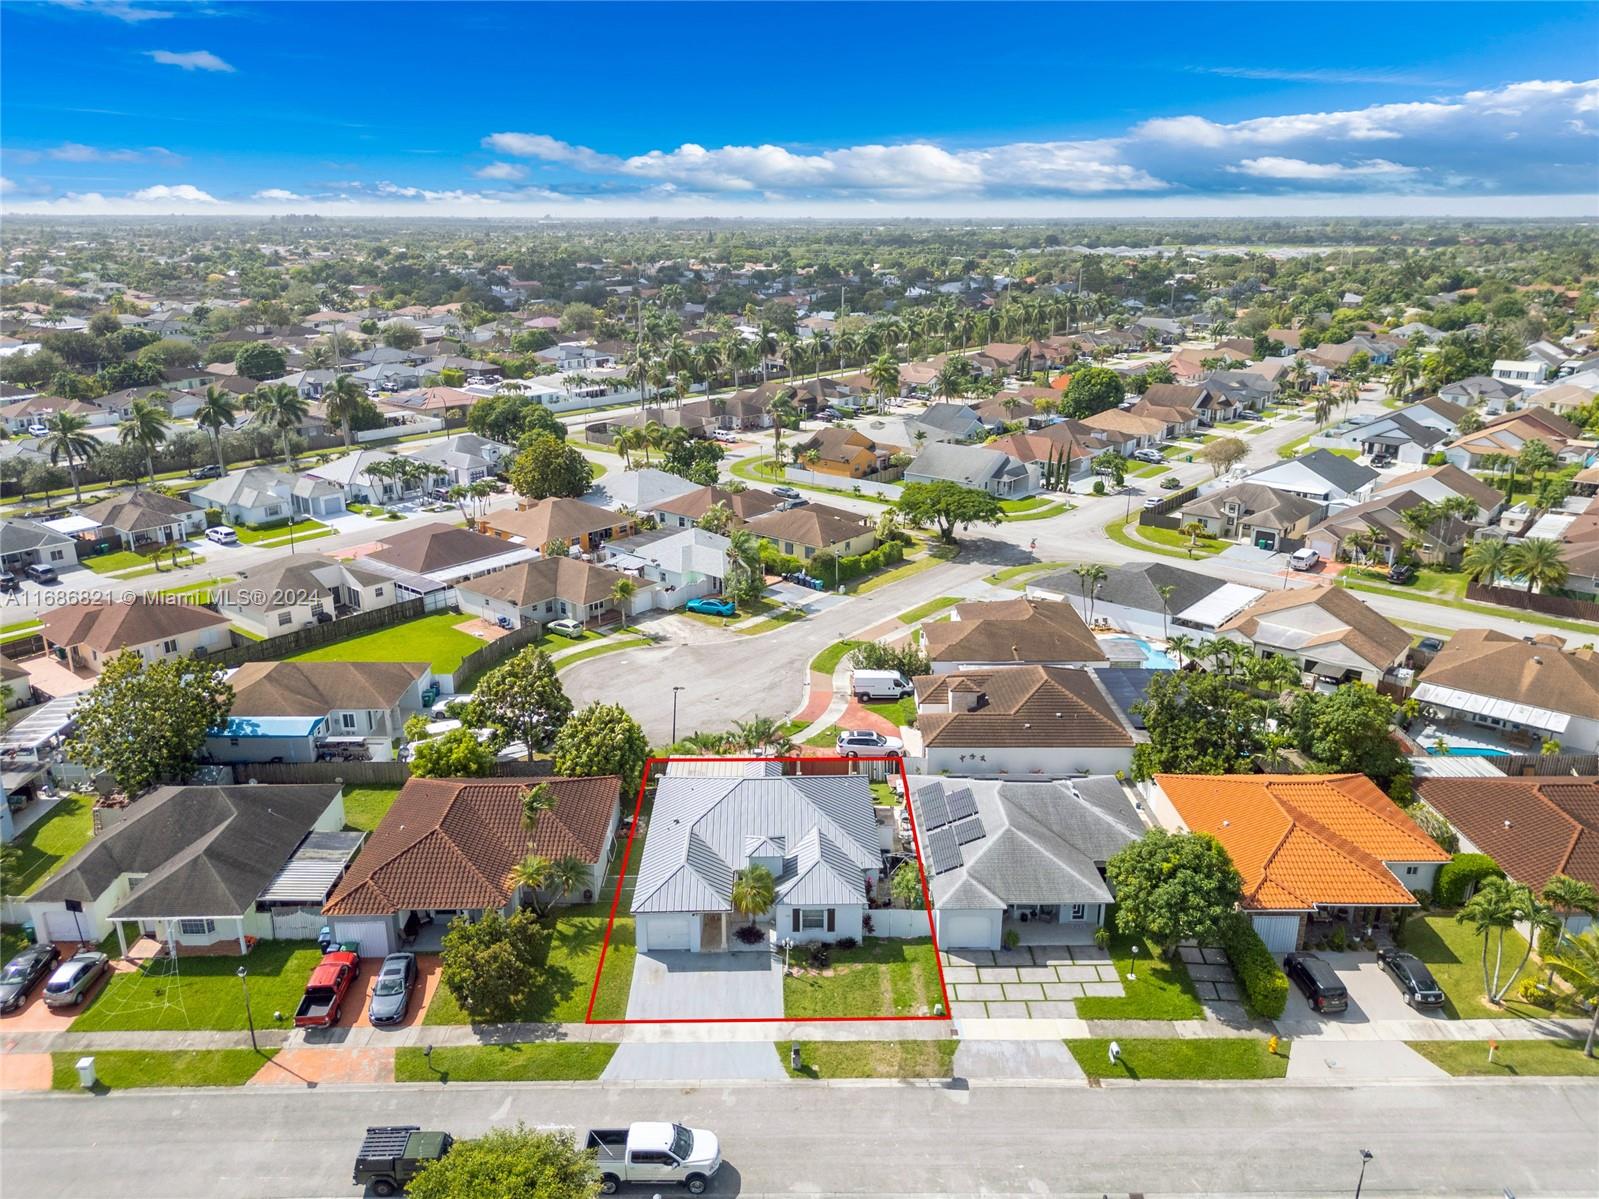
x: 957, y: 931
x: 667, y: 932
x: 372, y: 935
x: 1280, y: 933
x: 61, y: 925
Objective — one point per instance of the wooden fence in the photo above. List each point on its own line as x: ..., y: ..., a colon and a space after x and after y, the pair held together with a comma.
x: 23, y: 647
x: 1551, y: 605
x: 286, y: 645
x: 492, y: 654
x: 364, y: 774
x: 1519, y: 765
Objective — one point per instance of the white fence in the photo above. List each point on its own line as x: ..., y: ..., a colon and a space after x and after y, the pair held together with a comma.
x: 816, y: 478
x: 899, y: 922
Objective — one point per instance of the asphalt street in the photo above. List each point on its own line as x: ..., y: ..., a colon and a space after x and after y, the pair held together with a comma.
x: 1528, y: 1138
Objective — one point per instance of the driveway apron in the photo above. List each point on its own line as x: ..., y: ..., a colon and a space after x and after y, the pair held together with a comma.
x: 678, y: 985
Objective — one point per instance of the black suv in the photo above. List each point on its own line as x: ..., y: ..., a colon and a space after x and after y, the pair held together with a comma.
x: 1318, y: 981
x: 1401, y: 572
x: 1415, y: 981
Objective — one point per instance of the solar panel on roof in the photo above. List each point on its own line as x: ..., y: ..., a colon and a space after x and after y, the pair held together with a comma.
x: 1126, y: 688
x: 968, y: 830
x: 934, y: 811
x: 944, y: 850
x: 962, y: 803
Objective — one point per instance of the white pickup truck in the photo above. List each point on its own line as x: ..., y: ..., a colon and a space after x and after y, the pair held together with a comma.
x: 650, y: 1153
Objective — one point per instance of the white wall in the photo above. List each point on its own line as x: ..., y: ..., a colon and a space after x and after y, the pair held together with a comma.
x: 1025, y: 763
x: 846, y: 923
x: 899, y: 922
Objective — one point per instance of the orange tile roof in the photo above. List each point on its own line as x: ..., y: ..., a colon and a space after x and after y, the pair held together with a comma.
x: 1302, y: 840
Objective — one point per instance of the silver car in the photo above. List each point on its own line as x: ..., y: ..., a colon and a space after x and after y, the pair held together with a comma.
x: 391, y: 995
x: 74, y: 978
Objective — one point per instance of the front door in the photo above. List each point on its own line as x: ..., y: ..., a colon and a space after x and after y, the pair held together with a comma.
x: 713, y: 932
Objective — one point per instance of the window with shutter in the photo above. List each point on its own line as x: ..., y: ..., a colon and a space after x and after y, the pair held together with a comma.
x: 796, y: 920
x: 831, y: 925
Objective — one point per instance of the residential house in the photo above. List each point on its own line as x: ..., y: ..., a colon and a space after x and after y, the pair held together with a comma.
x: 843, y: 453
x: 1533, y: 828
x: 283, y: 711
x: 640, y: 490
x: 1129, y: 598
x: 267, y: 495
x: 984, y: 468
x: 1022, y: 721
x: 446, y: 553
x: 1013, y: 632
x: 1001, y: 359
x: 1490, y: 687
x: 1564, y: 399
x: 1523, y: 373
x: 816, y: 834
x: 16, y: 689
x: 189, y: 866
x: 141, y: 520
x: 683, y: 565
x: 1208, y: 404
x: 1325, y: 631
x: 1135, y: 432
x: 684, y: 511
x: 1375, y: 530
x: 949, y: 421
x: 1254, y: 513
x: 350, y: 472
x: 1309, y: 847
x: 1027, y: 856
x: 25, y: 543
x: 1042, y: 452
x: 1319, y: 475
x: 805, y: 531
x: 1179, y: 420
x: 86, y: 635
x: 546, y: 589
x: 1436, y: 484
x: 463, y: 459
x: 20, y: 415
x: 1230, y: 393
x: 446, y: 846
x: 1336, y: 357
x: 1494, y: 395
x: 1011, y: 407
x: 1505, y: 435
x: 296, y: 591
x: 586, y: 526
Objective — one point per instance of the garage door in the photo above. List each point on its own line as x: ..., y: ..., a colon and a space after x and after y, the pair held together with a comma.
x: 372, y: 935
x: 1280, y: 933
x: 668, y: 932
x: 61, y: 925
x: 957, y: 931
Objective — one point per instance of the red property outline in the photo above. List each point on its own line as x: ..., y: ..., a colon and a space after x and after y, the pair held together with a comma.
x: 627, y: 854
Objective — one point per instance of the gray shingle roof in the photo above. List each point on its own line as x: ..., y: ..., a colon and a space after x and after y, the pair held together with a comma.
x: 1134, y: 585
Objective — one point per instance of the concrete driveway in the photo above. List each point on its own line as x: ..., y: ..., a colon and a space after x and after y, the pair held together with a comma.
x: 1373, y: 995
x: 698, y: 1061
x: 678, y: 985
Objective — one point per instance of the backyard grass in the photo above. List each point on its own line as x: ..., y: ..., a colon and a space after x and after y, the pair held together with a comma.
x: 563, y: 993
x: 50, y: 841
x: 1511, y: 1059
x: 431, y: 639
x: 923, y: 611
x: 1454, y: 954
x: 880, y: 977
x: 1161, y: 1057
x: 365, y: 807
x: 900, y: 711
x: 204, y: 993
x: 1161, y: 990
x: 827, y: 661
x: 302, y: 525
x: 537, y: 1062
x: 870, y: 1059
x: 123, y: 1069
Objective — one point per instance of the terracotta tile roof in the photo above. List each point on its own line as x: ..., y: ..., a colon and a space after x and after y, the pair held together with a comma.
x: 1020, y: 706
x: 1300, y: 840
x: 449, y: 843
x: 1533, y: 827
x: 1488, y: 662
x: 1017, y: 630
x: 137, y: 621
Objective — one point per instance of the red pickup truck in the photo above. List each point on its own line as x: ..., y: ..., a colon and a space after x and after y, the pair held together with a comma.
x: 325, y: 990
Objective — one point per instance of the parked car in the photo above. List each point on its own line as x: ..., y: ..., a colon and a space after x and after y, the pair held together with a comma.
x: 206, y: 472
x: 1318, y: 981
x: 391, y: 994
x: 38, y: 430
x: 9, y: 582
x: 1401, y: 572
x: 391, y: 1157
x: 42, y: 574
x: 1153, y: 501
x: 709, y: 605
x: 566, y: 627
x: 1378, y: 461
x: 852, y: 744
x: 1415, y: 981
x: 787, y: 493
x: 74, y: 978
x: 325, y: 990
x: 868, y: 685
x: 1150, y: 456
x: 1304, y: 559
x: 1430, y: 645
x: 22, y: 972
x: 723, y: 435
x: 222, y: 535
x: 441, y: 709
x: 652, y: 1153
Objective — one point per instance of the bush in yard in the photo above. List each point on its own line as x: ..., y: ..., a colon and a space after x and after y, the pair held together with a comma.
x: 456, y: 755
x: 493, y: 966
x: 1265, y: 985
x: 1459, y: 874
x: 1173, y: 887
x: 510, y: 1163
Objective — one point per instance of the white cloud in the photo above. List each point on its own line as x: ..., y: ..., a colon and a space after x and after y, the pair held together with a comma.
x: 190, y: 60
x: 121, y: 10
x: 6, y: 185
x: 277, y: 193
x: 501, y: 170
x: 185, y: 193
x: 1271, y: 167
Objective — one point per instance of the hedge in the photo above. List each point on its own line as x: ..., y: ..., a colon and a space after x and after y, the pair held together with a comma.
x: 822, y: 565
x: 1460, y: 873
x: 1265, y: 985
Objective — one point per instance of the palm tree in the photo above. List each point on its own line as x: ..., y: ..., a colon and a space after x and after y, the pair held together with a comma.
x: 217, y: 412
x: 1165, y: 591
x: 529, y: 876
x: 1485, y: 560
x: 754, y: 892
x: 1323, y: 409
x: 1498, y: 905
x: 782, y: 410
x: 1183, y: 646
x: 1569, y: 897
x: 547, y: 882
x: 1193, y: 530
x: 342, y: 401
x: 884, y: 376
x: 746, y: 573
x: 67, y: 439
x: 280, y: 407
x: 622, y: 591
x: 1540, y: 561
x: 1577, y: 964
x: 145, y: 426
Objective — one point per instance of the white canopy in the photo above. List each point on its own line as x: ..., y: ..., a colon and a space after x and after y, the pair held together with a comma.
x: 1487, y: 705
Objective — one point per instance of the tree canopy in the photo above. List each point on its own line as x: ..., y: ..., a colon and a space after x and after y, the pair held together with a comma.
x: 494, y: 967
x: 1199, y: 724
x: 522, y: 700
x: 945, y: 505
x: 1173, y: 887
x: 458, y: 754
x: 602, y: 739
x: 545, y: 466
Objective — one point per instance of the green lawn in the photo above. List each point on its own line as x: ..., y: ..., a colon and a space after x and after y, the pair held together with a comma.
x: 365, y: 807
x: 827, y: 737
x: 204, y: 993
x: 1454, y: 954
x: 895, y: 573
x: 770, y: 623
x: 880, y: 977
x: 827, y: 661
x: 302, y: 525
x: 19, y: 630
x: 1461, y: 605
x: 1511, y: 1058
x: 427, y: 639
x: 1025, y: 504
x: 870, y: 1059
x: 1451, y: 583
x: 537, y: 1062
x: 1155, y: 540
x: 900, y: 711
x: 1150, y: 471
x: 1043, y: 513
x: 50, y: 841
x: 1027, y: 568
x: 610, y: 647
x: 574, y: 957
x: 200, y: 593
x: 1161, y: 989
x: 1201, y: 1057
x: 923, y: 611
x: 123, y: 1069
x: 119, y: 560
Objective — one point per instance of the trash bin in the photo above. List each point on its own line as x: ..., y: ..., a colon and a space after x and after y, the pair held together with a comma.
x: 29, y: 936
x: 86, y: 1076
x: 1188, y: 458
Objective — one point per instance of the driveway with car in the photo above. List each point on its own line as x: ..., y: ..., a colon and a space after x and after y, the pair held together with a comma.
x: 1373, y: 995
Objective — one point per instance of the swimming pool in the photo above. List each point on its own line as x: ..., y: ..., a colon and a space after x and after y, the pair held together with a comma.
x: 1154, y: 659
x: 1468, y: 751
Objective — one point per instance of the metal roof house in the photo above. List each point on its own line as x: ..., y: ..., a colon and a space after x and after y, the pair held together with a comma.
x: 817, y: 835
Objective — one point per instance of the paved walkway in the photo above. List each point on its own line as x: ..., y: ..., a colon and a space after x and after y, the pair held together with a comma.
x: 1029, y: 982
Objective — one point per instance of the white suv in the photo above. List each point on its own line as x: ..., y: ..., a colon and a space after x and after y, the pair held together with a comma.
x: 222, y: 535
x: 864, y: 741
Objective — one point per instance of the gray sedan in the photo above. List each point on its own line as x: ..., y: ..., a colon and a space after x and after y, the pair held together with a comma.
x: 391, y: 997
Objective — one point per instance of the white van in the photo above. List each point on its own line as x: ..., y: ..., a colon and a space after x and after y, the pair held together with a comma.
x: 1304, y: 559
x: 879, y: 685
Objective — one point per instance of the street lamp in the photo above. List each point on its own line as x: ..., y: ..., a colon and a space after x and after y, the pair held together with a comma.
x: 675, y: 690
x: 249, y: 1016
x: 1365, y: 1156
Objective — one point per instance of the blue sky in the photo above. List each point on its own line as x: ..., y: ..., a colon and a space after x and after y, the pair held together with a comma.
x: 145, y: 106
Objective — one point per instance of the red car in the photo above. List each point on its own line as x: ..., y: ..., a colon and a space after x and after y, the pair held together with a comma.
x: 325, y: 990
